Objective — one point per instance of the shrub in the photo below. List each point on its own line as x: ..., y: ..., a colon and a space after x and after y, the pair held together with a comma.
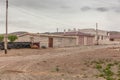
x: 12, y: 38
x: 57, y: 69
x: 1, y: 38
x: 43, y: 47
x: 98, y: 66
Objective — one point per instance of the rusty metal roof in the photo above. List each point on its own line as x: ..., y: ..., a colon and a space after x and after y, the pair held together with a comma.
x: 77, y: 34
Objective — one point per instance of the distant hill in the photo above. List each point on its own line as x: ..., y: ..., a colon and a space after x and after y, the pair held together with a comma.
x: 18, y: 33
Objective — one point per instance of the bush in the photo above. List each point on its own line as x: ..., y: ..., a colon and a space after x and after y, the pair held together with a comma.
x: 1, y: 38
x: 12, y: 38
x: 43, y: 47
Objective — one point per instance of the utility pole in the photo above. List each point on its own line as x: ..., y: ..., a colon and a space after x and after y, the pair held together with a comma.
x: 57, y: 30
x: 64, y: 31
x: 97, y: 40
x: 6, y: 34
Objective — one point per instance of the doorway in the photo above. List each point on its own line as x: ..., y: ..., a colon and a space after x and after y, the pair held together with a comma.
x: 51, y: 42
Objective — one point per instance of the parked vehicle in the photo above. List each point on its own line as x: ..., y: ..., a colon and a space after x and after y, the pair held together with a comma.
x: 16, y: 45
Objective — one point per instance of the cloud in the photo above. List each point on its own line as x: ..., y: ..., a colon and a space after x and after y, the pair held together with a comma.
x: 99, y: 9
x: 102, y: 9
x: 116, y: 9
x: 65, y: 7
x: 46, y: 15
x: 86, y: 8
x: 36, y: 4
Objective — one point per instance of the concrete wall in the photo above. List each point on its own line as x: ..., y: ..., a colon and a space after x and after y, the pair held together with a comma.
x: 117, y: 39
x: 103, y: 35
x: 90, y: 40
x: 64, y: 42
x: 102, y: 39
x: 85, y: 40
x: 25, y: 38
x: 44, y: 40
x: 81, y: 41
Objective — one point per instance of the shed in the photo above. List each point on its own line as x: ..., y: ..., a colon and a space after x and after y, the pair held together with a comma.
x: 115, y: 36
x: 46, y: 40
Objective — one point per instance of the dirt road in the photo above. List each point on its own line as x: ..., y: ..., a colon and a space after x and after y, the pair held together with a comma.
x: 54, y: 64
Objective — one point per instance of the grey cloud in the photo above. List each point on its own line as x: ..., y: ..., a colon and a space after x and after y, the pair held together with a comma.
x: 65, y: 7
x: 37, y: 3
x: 86, y: 8
x: 2, y: 1
x: 15, y: 22
x: 116, y: 9
x: 57, y: 5
x: 59, y: 12
x: 102, y: 9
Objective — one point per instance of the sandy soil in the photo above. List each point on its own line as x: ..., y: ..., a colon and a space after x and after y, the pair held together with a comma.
x: 54, y: 64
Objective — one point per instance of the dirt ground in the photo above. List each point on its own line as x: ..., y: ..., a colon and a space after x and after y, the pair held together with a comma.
x: 71, y: 63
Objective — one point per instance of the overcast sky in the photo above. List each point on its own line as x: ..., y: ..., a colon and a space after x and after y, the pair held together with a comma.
x: 47, y: 15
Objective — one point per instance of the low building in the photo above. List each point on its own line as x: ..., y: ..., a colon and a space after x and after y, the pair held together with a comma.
x: 46, y: 40
x: 82, y: 38
x: 103, y: 36
x: 115, y: 36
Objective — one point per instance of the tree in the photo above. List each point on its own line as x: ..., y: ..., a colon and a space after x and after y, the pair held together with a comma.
x: 12, y: 38
x: 1, y: 38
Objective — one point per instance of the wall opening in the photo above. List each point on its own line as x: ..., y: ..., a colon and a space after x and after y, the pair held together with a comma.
x: 111, y: 39
x: 51, y: 42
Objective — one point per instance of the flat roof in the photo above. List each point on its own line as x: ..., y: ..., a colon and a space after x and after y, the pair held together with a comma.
x: 78, y: 34
x: 46, y: 35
